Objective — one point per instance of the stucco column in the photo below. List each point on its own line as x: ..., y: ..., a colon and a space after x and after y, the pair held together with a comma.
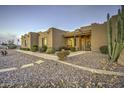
x: 80, y: 42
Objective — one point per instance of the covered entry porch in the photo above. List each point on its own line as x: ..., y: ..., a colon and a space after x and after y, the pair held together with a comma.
x: 81, y: 41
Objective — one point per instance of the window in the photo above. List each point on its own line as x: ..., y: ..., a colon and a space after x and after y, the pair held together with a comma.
x: 44, y: 41
x: 70, y: 42
x: 25, y: 43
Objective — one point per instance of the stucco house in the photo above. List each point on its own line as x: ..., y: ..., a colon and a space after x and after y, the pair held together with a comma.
x: 51, y: 38
x: 85, y: 38
x: 28, y: 40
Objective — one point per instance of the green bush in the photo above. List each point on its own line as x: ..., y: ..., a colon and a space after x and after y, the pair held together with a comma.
x: 26, y: 49
x: 34, y: 48
x: 43, y: 49
x: 104, y: 49
x: 12, y: 46
x: 65, y: 48
x: 50, y: 50
x: 72, y: 49
x: 62, y: 55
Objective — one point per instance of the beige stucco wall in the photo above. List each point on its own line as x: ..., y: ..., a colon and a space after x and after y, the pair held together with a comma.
x: 98, y: 36
x: 50, y: 37
x: 22, y: 41
x: 42, y: 35
x: 54, y: 38
x: 33, y: 39
x: 58, y: 39
x: 26, y: 38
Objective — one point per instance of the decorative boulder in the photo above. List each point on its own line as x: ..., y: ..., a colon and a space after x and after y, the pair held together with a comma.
x: 121, y: 58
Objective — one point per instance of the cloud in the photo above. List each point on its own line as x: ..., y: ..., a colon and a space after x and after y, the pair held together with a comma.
x: 4, y: 37
x: 7, y: 36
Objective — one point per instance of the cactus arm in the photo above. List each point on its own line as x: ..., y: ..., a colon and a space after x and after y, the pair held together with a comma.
x: 123, y: 20
x: 109, y: 30
x: 115, y: 48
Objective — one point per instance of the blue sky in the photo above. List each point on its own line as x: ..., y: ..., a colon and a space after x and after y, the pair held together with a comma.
x: 18, y: 20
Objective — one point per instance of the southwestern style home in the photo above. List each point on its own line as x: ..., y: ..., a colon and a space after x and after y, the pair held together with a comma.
x: 87, y: 38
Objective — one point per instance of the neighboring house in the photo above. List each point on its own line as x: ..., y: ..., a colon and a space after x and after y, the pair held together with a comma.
x: 53, y: 37
x: 90, y: 37
x: 28, y: 40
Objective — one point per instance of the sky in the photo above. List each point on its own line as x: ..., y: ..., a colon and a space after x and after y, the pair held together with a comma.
x: 18, y: 20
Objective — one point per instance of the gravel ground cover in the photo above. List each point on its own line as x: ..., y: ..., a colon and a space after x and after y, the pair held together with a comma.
x: 95, y: 60
x: 53, y: 74
x: 16, y: 59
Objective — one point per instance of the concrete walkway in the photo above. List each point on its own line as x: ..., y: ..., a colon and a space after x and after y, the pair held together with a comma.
x: 78, y: 53
x: 8, y: 69
x: 54, y: 58
x: 50, y: 56
x: 45, y: 56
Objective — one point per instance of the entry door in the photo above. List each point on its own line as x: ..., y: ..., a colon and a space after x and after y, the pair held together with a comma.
x: 87, y: 43
x: 42, y: 41
x: 83, y: 43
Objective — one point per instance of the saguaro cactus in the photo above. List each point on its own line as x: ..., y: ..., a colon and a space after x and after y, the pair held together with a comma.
x: 115, y: 47
x: 109, y: 28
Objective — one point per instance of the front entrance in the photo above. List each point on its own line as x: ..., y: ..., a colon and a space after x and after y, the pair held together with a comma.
x: 81, y: 43
x: 86, y: 43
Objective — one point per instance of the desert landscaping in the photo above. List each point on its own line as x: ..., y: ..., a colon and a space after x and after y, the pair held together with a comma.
x: 49, y: 73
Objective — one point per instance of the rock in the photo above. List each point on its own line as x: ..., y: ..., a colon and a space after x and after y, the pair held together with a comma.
x: 99, y: 84
x: 93, y: 84
x: 115, y: 77
x: 104, y: 68
x: 121, y: 58
x: 103, y: 61
x: 87, y: 86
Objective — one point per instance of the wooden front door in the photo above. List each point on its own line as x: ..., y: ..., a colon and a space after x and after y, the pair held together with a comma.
x: 86, y: 43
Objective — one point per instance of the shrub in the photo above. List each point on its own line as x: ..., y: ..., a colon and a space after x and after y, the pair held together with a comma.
x: 104, y: 49
x: 43, y: 49
x: 62, y: 55
x: 65, y: 48
x: 21, y: 48
x: 34, y: 48
x: 26, y: 49
x: 50, y: 50
x: 12, y: 46
x: 72, y: 49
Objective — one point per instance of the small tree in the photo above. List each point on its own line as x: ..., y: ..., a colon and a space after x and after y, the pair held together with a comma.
x: 10, y: 42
